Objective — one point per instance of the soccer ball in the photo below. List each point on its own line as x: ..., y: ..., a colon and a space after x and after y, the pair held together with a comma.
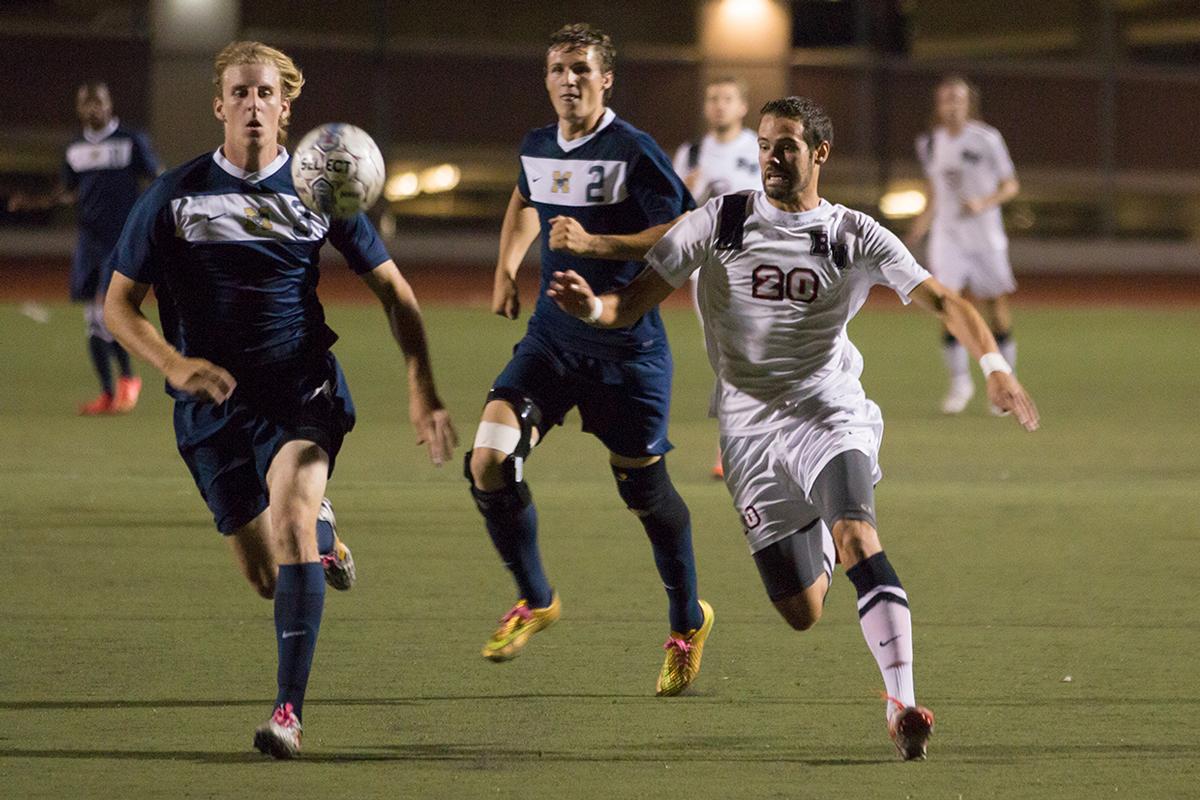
x: 338, y: 170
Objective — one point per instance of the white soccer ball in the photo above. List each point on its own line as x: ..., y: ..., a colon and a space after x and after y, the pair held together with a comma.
x: 338, y: 170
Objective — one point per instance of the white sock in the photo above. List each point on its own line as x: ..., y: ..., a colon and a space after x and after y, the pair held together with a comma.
x: 886, y: 625
x: 957, y: 362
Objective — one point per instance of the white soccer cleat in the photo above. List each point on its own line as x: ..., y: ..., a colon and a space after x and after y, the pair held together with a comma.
x: 997, y: 411
x: 338, y: 563
x: 956, y: 399
x: 279, y: 736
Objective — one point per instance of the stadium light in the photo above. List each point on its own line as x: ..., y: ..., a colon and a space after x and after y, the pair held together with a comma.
x: 902, y: 204
x: 441, y: 178
x: 402, y: 186
x: 752, y: 30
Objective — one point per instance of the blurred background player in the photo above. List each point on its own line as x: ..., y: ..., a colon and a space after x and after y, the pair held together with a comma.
x: 589, y: 166
x: 724, y: 160
x: 969, y: 175
x: 782, y: 272
x: 102, y: 174
x: 261, y: 404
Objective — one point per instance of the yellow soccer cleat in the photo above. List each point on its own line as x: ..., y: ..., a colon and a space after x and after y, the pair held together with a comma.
x: 682, y: 663
x: 517, y: 626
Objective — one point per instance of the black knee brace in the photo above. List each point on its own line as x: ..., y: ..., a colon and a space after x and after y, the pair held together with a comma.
x: 515, y: 491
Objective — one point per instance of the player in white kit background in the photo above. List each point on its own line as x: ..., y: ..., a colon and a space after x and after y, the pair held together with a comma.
x: 781, y: 274
x: 969, y: 175
x: 723, y: 160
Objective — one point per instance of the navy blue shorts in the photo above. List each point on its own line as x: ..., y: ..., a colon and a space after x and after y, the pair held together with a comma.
x: 89, y: 275
x: 229, y: 447
x: 625, y: 404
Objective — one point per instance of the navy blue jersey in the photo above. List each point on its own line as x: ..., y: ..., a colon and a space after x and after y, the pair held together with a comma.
x: 233, y: 259
x: 106, y: 169
x: 616, y: 180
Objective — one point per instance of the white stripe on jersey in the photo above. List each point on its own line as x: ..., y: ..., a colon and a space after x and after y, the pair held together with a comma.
x: 89, y: 156
x: 267, y: 217
x: 575, y: 182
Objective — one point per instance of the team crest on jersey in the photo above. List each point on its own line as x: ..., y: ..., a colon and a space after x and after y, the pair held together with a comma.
x: 971, y: 157
x: 560, y: 182
x: 257, y: 219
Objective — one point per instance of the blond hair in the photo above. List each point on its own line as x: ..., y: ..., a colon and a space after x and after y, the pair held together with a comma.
x: 291, y: 79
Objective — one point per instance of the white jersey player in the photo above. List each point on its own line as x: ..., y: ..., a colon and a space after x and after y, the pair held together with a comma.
x: 724, y: 160
x: 969, y: 176
x: 781, y: 274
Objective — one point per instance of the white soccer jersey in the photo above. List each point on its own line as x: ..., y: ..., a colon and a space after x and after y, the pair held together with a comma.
x: 724, y: 166
x: 775, y: 311
x: 971, y: 164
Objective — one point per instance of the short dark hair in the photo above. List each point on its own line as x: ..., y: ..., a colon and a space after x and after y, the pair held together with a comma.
x: 817, y: 125
x: 581, y: 36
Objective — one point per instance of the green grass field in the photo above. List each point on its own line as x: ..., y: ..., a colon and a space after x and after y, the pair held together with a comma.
x: 135, y: 662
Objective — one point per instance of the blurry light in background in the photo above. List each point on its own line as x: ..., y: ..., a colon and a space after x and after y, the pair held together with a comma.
x: 441, y: 178
x: 901, y: 204
x: 402, y: 186
x: 750, y: 30
x: 745, y: 12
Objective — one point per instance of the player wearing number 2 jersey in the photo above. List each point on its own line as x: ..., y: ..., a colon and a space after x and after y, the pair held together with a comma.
x: 589, y: 169
x: 781, y: 274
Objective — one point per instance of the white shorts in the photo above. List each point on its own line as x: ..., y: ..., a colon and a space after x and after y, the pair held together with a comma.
x: 984, y: 273
x: 771, y: 474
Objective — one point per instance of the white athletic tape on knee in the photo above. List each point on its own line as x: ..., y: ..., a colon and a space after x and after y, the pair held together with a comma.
x: 498, y: 436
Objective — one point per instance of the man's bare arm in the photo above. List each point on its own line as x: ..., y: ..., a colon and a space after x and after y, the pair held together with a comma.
x: 618, y: 309
x: 923, y: 221
x: 520, y: 227
x: 568, y: 236
x: 124, y: 319
x: 425, y: 409
x: 965, y: 324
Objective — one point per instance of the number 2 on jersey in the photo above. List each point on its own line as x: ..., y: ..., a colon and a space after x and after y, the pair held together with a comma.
x: 772, y: 283
x: 595, y: 189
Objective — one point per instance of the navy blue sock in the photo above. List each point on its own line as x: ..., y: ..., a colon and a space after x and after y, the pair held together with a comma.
x: 98, y: 349
x: 649, y: 493
x: 876, y: 582
x: 122, y: 358
x: 299, y: 601
x: 512, y: 523
x: 324, y: 537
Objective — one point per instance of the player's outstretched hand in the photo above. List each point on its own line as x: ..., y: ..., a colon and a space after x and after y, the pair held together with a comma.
x: 1007, y: 394
x: 572, y: 293
x: 200, y: 378
x: 434, y: 430
x: 568, y: 236
x: 506, y: 301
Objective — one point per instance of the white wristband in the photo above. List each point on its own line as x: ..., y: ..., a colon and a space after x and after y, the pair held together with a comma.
x: 597, y: 309
x: 993, y: 362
